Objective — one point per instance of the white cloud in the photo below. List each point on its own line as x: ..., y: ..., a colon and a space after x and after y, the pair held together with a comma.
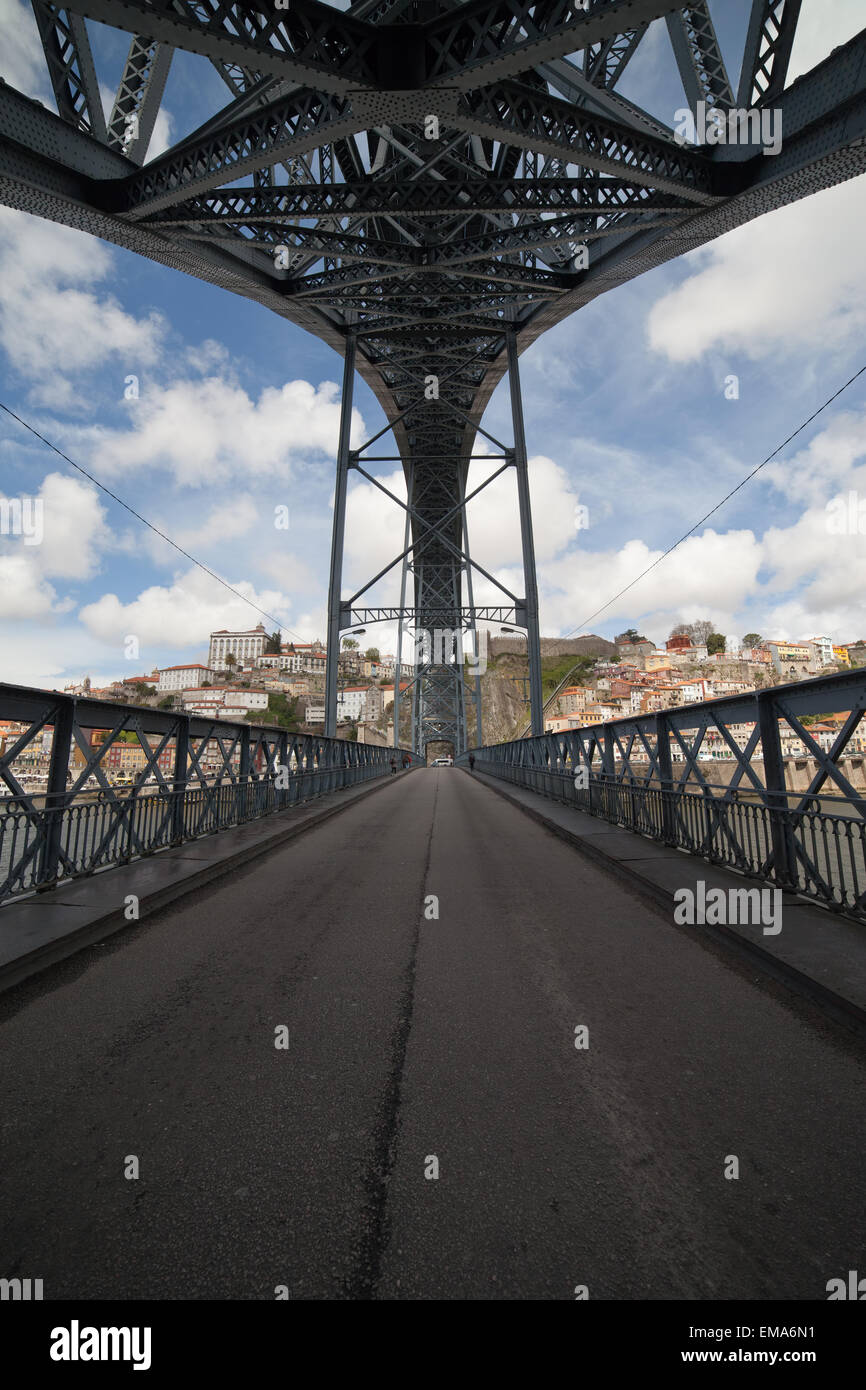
x: 831, y: 568
x: 75, y: 528
x: 22, y: 62
x: 821, y: 28
x: 32, y: 654
x: 314, y: 625
x: 162, y: 138
x: 72, y: 533
x: 712, y: 575
x: 292, y: 573
x: 209, y: 356
x: 764, y: 287
x: 830, y: 461
x: 374, y: 537
x: 494, y: 520
x: 790, y: 581
x: 210, y: 431
x: 28, y: 595
x: 69, y: 329
x: 226, y: 521
x: 180, y: 615
x: 50, y: 655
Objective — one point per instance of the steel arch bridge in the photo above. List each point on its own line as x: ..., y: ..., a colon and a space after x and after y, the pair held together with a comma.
x: 426, y: 186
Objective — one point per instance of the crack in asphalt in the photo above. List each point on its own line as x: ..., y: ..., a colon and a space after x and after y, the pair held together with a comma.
x: 364, y: 1280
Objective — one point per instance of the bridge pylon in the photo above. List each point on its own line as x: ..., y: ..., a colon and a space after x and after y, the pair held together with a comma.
x: 436, y: 561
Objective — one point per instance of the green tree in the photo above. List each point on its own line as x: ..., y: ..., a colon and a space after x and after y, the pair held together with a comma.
x: 280, y: 711
x: 372, y: 654
x: 349, y: 644
x: 231, y: 660
x: 752, y: 639
x: 167, y: 703
x: 273, y: 644
x: 716, y: 643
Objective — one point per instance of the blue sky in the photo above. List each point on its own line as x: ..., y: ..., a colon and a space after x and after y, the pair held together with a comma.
x: 237, y: 414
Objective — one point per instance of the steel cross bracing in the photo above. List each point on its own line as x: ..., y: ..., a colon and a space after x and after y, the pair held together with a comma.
x: 660, y: 775
x: 439, y: 182
x: 198, y: 776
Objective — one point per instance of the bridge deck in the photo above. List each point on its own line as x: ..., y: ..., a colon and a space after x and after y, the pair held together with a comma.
x: 409, y: 1038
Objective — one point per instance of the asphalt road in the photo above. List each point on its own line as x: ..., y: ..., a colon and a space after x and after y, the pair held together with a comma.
x: 413, y: 1038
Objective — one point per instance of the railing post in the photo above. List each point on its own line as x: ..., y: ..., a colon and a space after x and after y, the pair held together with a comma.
x: 607, y: 758
x: 666, y: 777
x: 181, y: 768
x: 608, y: 769
x: 55, y: 799
x: 304, y: 761
x: 784, y: 853
x: 244, y: 772
x: 282, y: 793
x: 131, y: 818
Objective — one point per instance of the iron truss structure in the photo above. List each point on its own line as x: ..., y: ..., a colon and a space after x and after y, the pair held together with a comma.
x: 653, y: 774
x: 427, y: 186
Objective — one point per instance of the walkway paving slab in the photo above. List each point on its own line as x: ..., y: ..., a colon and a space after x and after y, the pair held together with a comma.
x: 46, y: 927
x: 819, y: 952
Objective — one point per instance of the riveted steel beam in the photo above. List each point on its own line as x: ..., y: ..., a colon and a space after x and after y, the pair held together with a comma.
x: 769, y: 41
x: 310, y: 43
x: 136, y: 106
x: 68, y: 55
x: 699, y: 57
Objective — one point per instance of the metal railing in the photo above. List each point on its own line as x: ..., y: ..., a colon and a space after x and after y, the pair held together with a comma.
x: 811, y: 841
x: 200, y: 777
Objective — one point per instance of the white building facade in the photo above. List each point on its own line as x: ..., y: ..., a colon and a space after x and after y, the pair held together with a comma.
x: 184, y: 677
x: 823, y: 650
x: 224, y: 701
x: 285, y: 661
x: 243, y: 646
